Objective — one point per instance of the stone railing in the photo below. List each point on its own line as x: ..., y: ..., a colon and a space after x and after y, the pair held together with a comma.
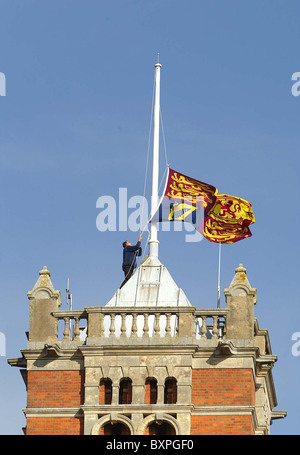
x: 210, y: 323
x: 71, y: 319
x: 117, y: 324
x: 143, y: 322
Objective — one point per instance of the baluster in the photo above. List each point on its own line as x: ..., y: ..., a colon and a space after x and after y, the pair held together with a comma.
x: 112, y: 325
x: 176, y: 325
x: 223, y: 329
x: 215, y: 327
x: 194, y: 334
x: 134, y: 326
x: 66, y: 329
x: 146, y: 326
x: 101, y: 325
x: 123, y: 325
x: 76, y: 329
x: 156, y: 327
x: 168, y: 325
x: 203, y: 328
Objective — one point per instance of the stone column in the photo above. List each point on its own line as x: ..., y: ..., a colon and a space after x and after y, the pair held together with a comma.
x: 91, y: 386
x: 115, y: 393
x: 184, y: 384
x: 160, y: 392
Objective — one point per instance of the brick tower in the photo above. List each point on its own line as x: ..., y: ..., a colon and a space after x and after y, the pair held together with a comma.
x: 148, y: 362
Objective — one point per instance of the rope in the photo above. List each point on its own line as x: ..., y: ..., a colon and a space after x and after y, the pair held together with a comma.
x: 162, y: 179
x: 148, y: 151
x: 163, y: 134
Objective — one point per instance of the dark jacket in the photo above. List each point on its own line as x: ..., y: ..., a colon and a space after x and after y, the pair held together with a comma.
x: 130, y: 253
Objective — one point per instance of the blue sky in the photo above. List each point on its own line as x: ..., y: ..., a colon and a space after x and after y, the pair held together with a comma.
x: 75, y: 124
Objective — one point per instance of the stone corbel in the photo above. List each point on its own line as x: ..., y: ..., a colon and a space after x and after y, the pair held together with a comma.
x: 266, y: 362
x: 225, y: 348
x: 159, y: 418
x: 52, y: 350
x: 113, y: 418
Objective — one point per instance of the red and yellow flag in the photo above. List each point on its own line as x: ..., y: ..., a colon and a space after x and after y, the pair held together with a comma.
x: 226, y: 219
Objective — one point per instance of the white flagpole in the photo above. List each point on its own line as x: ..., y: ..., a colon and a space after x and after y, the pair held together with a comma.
x: 219, y: 276
x: 153, y: 242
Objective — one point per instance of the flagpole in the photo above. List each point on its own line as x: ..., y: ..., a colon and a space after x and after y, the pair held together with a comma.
x: 219, y: 276
x: 153, y: 242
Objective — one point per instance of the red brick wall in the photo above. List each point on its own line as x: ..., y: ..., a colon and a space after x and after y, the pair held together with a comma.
x: 223, y: 387
x: 210, y: 387
x: 55, y: 389
x: 222, y: 425
x: 54, y: 426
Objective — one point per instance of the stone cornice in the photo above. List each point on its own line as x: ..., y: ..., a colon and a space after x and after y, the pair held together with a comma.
x: 278, y: 415
x: 138, y: 408
x: 53, y: 412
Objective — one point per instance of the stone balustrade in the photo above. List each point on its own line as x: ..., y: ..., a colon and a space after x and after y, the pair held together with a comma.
x: 71, y: 319
x: 118, y: 323
x: 210, y: 323
x: 142, y: 322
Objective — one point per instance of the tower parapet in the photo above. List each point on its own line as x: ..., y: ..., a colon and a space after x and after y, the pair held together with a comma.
x: 133, y: 367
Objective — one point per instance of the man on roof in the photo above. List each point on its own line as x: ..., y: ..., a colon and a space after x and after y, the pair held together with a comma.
x: 130, y: 253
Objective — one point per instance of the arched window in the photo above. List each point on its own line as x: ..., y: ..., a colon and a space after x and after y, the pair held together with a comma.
x: 151, y: 391
x: 163, y: 428
x: 116, y: 429
x: 170, y: 392
x: 125, y: 391
x: 105, y: 391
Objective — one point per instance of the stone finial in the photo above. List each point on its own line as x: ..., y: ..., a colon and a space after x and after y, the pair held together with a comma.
x: 45, y: 271
x: 240, y: 268
x: 43, y: 288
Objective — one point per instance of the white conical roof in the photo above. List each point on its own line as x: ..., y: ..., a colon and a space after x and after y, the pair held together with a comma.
x: 151, y: 285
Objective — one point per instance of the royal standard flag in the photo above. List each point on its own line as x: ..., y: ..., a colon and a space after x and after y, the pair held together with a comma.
x: 218, y: 217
